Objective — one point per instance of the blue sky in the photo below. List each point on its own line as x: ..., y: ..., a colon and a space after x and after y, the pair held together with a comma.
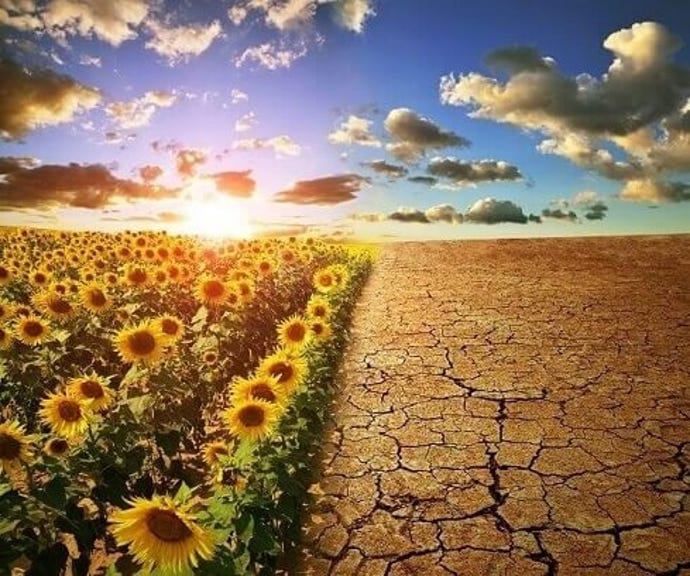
x: 526, y: 118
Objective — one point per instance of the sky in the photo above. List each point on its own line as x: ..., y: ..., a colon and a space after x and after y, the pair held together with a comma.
x: 373, y: 119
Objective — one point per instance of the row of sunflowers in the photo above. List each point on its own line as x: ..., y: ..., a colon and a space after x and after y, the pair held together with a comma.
x: 162, y: 398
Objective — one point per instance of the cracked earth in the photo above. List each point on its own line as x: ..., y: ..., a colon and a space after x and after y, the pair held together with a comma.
x: 512, y: 407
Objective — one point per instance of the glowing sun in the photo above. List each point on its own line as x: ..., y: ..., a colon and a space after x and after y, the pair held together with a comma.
x: 209, y: 213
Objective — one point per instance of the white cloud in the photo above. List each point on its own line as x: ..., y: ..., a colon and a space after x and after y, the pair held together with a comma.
x: 112, y: 22
x: 281, y: 145
x: 352, y: 14
x: 180, y: 43
x: 246, y: 122
x: 86, y: 60
x: 271, y: 56
x: 237, y: 96
x: 655, y: 191
x: 139, y: 111
x: 354, y: 130
x: 492, y: 211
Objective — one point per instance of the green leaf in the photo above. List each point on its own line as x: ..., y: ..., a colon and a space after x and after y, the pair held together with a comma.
x: 139, y: 404
x: 245, y: 527
x: 183, y: 493
x: 54, y: 493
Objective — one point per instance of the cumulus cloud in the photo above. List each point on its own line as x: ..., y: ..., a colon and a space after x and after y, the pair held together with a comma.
x: 32, y: 98
x: 238, y: 184
x: 640, y: 106
x: 558, y: 214
x: 585, y: 198
x: 352, y: 14
x: 180, y: 43
x: 414, y: 135
x: 112, y: 22
x: 462, y: 173
x: 24, y: 185
x: 368, y: 217
x: 271, y: 55
x: 281, y: 145
x: 246, y: 122
x: 649, y: 190
x: 389, y: 170
x: 354, y: 130
x: 150, y: 173
x: 326, y: 190
x: 492, y: 211
x: 440, y: 213
x: 139, y: 111
x: 444, y: 213
x: 188, y: 161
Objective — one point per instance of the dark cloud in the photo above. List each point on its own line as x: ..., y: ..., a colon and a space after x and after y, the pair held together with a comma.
x: 239, y: 184
x: 75, y: 185
x: 534, y: 218
x: 517, y: 59
x: 327, y: 190
x: 428, y: 180
x: 383, y: 167
x: 32, y: 98
x: 149, y: 173
x: 440, y: 213
x: 597, y: 211
x: 462, y: 173
x: 408, y: 215
x: 558, y: 214
x: 492, y: 211
x: 10, y: 164
x: 414, y: 135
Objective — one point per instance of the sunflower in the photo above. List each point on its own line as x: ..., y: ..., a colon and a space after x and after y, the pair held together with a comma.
x: 5, y: 338
x: 32, y: 330
x: 14, y: 447
x: 212, y: 291
x: 7, y: 309
x: 162, y: 534
x: 40, y: 277
x: 252, y: 419
x: 6, y: 275
x: 265, y: 267
x: 287, y: 368
x: 142, y: 343
x: 67, y: 416
x: 318, y: 308
x: 55, y: 305
x: 213, y: 451
x: 56, y: 447
x: 320, y: 330
x: 324, y: 280
x: 94, y: 297
x: 245, y: 289
x: 293, y: 332
x: 136, y: 275
x: 93, y: 389
x: 171, y: 327
x: 264, y: 388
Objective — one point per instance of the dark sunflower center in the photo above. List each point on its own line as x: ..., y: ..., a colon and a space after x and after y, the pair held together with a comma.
x: 213, y: 289
x: 263, y: 392
x: 91, y: 389
x: 264, y: 266
x: 296, y: 332
x: 4, y: 273
x: 326, y: 280
x: 33, y: 328
x: 10, y: 447
x: 40, y: 278
x: 282, y: 370
x: 69, y: 410
x: 170, y: 327
x: 60, y: 306
x: 244, y: 289
x: 166, y: 526
x: 317, y: 328
x: 319, y: 310
x: 137, y: 276
x: 252, y: 416
x: 58, y: 446
x: 97, y: 297
x: 142, y: 342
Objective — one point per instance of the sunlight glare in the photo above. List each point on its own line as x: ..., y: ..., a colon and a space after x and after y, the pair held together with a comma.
x: 209, y: 213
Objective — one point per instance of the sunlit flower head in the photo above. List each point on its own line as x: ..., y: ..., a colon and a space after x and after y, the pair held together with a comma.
x: 288, y: 369
x: 94, y: 297
x: 56, y: 447
x: 171, y: 327
x: 252, y: 419
x: 32, y: 330
x: 213, y: 451
x: 92, y: 389
x: 293, y: 332
x: 320, y: 330
x: 67, y: 416
x: 162, y: 534
x: 264, y: 388
x: 141, y: 343
x: 211, y: 291
x: 14, y: 447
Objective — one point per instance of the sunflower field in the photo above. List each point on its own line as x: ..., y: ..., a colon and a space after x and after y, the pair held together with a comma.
x: 162, y: 397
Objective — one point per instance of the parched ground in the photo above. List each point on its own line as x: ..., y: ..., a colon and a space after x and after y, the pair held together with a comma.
x: 513, y: 407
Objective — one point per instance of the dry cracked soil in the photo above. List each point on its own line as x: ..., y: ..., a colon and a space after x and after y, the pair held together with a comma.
x: 512, y: 407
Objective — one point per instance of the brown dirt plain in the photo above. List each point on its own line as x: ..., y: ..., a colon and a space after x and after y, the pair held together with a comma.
x: 517, y: 407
